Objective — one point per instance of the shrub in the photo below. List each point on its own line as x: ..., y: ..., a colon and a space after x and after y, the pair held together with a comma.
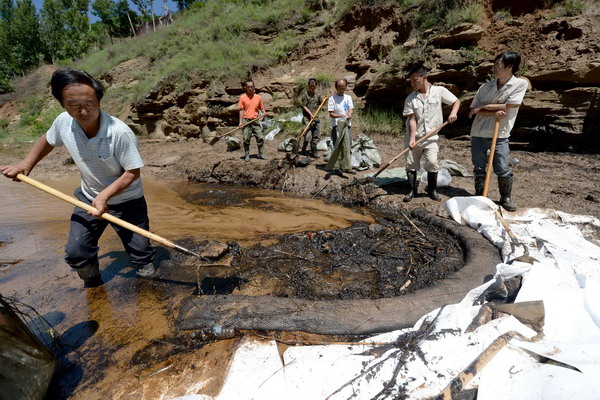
x: 31, y: 110
x: 503, y: 15
x: 446, y: 13
x: 376, y: 119
x: 213, y: 39
x: 402, y: 56
x: 469, y: 13
x: 473, y: 54
x: 571, y: 8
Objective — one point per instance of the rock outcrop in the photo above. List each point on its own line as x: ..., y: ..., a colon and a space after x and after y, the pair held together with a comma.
x: 560, y: 59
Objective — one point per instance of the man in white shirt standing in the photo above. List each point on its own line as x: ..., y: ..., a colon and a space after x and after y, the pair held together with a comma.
x: 423, y: 109
x: 498, y: 99
x: 105, y: 151
x: 340, y: 107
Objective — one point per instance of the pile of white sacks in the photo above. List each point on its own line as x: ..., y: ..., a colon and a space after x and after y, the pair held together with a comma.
x: 561, y: 361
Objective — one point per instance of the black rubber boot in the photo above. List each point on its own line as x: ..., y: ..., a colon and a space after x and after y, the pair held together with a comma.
x: 261, y: 153
x: 246, y: 152
x: 432, y: 186
x: 479, y: 181
x: 90, y: 273
x: 505, y: 187
x: 304, y: 146
x: 412, y: 181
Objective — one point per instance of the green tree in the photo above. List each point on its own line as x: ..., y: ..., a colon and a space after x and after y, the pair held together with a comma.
x: 24, y: 33
x: 6, y: 70
x: 184, y: 4
x: 145, y: 7
x: 115, y: 16
x: 98, y: 33
x: 77, y: 26
x: 7, y: 10
x: 53, y: 29
x: 66, y: 28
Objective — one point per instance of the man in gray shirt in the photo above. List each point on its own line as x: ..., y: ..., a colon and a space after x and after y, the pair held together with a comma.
x: 105, y: 151
x: 498, y: 99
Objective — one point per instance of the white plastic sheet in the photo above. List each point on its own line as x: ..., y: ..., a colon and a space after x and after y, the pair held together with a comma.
x: 565, y: 277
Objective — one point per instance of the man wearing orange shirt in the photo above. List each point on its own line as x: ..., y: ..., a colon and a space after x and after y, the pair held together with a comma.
x: 251, y: 107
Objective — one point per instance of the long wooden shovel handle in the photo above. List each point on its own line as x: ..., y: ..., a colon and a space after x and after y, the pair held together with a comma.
x: 216, y: 138
x: 312, y: 119
x: 240, y: 127
x: 488, y: 170
x: 461, y: 380
x: 106, y: 216
x: 403, y: 152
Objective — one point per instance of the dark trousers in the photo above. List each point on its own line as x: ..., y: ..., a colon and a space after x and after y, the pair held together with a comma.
x: 479, y: 148
x: 315, y: 134
x: 85, y: 231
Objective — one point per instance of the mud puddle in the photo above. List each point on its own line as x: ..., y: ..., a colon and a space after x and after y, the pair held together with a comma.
x: 386, y: 258
x: 105, y: 331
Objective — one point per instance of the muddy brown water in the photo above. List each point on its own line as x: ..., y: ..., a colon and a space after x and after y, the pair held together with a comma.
x: 105, y: 331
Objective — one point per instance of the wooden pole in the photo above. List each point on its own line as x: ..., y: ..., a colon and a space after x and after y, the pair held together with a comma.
x: 403, y: 152
x: 490, y: 164
x: 309, y: 123
x: 106, y: 216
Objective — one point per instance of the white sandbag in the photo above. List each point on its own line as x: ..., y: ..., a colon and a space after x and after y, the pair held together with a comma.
x: 287, y: 144
x: 325, y: 144
x: 233, y: 143
x: 272, y: 133
x: 443, y: 178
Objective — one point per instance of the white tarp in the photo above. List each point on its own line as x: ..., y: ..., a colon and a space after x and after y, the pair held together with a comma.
x: 565, y: 276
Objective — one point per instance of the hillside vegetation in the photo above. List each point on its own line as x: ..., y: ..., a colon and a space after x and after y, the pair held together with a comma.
x: 215, y: 40
x: 221, y: 42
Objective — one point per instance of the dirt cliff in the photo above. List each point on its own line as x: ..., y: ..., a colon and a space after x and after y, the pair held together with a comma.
x: 374, y: 43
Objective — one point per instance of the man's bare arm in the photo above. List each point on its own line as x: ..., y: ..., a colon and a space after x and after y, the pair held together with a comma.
x: 41, y: 148
x: 122, y: 183
x: 453, y: 113
x: 412, y: 128
x: 308, y: 111
x: 492, y: 109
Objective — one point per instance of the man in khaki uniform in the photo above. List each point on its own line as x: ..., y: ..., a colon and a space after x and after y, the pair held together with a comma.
x: 423, y: 109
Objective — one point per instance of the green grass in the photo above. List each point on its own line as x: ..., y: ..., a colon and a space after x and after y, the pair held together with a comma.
x: 325, y: 84
x: 474, y: 54
x: 446, y: 14
x: 35, y: 121
x: 570, y: 8
x: 373, y: 119
x: 213, y: 40
x: 503, y: 15
x: 469, y: 13
x: 400, y: 56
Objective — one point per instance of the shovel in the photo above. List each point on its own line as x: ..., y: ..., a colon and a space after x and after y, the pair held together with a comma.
x: 106, y: 216
x: 488, y: 170
x: 215, y: 139
x: 403, y: 152
x: 297, y: 142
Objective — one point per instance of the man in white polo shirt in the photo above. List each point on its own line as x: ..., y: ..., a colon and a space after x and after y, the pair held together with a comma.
x: 497, y: 99
x: 423, y: 109
x: 340, y: 107
x: 105, y: 151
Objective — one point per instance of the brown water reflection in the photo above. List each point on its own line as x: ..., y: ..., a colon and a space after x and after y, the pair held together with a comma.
x: 105, y: 327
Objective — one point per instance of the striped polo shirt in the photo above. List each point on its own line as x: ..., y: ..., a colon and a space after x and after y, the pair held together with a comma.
x: 102, y: 159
